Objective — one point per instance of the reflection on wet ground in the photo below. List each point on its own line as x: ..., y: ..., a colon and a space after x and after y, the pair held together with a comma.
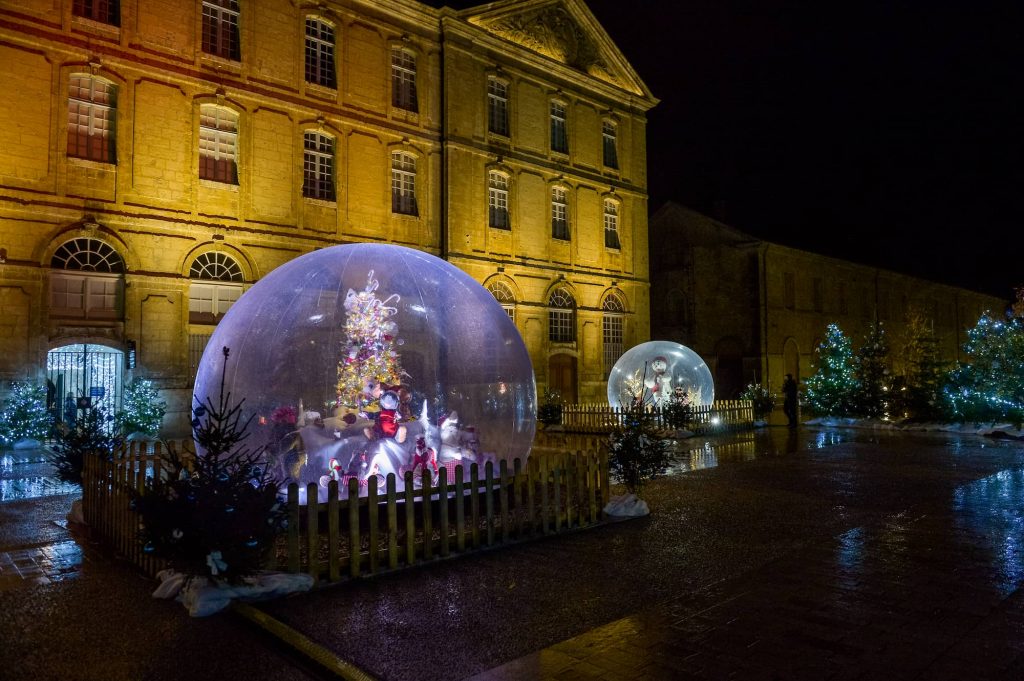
x: 28, y: 475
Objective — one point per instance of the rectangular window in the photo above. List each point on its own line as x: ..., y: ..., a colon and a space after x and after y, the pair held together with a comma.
x: 85, y: 296
x: 789, y: 290
x: 559, y: 131
x: 497, y: 107
x: 218, y: 140
x: 92, y: 107
x: 611, y: 152
x: 403, y: 184
x: 207, y: 303
x: 560, y: 326
x: 403, y: 80
x: 497, y: 201
x: 559, y: 215
x: 320, y: 54
x: 612, y: 332
x: 843, y: 307
x: 220, y: 29
x: 103, y: 11
x: 611, y: 225
x: 318, y: 166
x: 819, y: 295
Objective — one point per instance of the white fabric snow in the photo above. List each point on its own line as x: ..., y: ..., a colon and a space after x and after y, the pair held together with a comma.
x: 626, y: 505
x: 76, y: 515
x: 202, y: 597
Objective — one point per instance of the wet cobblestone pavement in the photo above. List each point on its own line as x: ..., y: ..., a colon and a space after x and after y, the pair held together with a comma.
x: 821, y: 554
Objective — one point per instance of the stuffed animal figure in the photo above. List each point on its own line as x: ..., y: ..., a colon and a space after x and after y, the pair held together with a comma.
x: 387, y: 424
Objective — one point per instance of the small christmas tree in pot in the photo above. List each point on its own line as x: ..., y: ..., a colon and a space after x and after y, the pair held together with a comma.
x: 637, y: 452
x: 215, y: 517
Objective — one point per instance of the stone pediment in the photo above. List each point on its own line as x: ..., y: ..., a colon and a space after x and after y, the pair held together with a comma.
x: 562, y: 30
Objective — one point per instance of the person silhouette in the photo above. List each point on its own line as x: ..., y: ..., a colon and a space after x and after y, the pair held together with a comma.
x: 789, y: 402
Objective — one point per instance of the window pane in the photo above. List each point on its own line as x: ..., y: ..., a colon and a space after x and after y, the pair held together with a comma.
x: 218, y: 137
x: 92, y: 107
x: 318, y: 166
x: 403, y: 80
x: 320, y: 53
x: 220, y: 29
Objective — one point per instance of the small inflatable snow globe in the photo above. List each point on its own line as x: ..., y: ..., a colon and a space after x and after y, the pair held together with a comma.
x: 366, y: 359
x: 657, y: 372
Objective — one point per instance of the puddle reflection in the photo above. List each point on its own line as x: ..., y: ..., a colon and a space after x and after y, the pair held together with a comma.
x: 991, y: 507
x: 32, y: 488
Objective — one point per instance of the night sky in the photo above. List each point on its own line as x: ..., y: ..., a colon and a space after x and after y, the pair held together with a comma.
x: 882, y: 132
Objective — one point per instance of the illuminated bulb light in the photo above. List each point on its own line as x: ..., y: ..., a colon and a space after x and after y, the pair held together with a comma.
x: 715, y: 420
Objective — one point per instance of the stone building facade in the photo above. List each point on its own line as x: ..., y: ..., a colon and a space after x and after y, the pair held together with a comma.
x: 160, y: 157
x: 756, y: 311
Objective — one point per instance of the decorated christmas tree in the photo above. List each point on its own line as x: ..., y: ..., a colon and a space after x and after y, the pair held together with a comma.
x: 990, y: 386
x: 24, y: 414
x: 217, y: 514
x: 142, y: 410
x: 830, y: 391
x: 369, y: 356
x: 871, y: 368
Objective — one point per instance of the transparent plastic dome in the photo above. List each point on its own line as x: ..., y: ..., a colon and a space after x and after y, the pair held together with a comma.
x: 657, y: 370
x: 368, y: 359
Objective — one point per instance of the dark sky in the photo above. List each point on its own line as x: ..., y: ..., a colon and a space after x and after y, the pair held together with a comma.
x: 883, y: 132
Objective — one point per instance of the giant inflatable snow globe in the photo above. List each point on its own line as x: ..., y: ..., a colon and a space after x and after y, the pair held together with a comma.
x: 366, y: 359
x: 657, y: 372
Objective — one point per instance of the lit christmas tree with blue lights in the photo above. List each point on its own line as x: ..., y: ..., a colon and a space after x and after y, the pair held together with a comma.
x: 990, y: 386
x: 830, y: 391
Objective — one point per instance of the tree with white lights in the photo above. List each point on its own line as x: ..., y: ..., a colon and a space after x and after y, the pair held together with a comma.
x: 990, y: 385
x: 830, y: 391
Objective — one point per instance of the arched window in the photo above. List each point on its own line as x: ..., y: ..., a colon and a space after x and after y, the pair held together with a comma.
x: 218, y: 144
x: 318, y: 166
x: 503, y: 294
x: 611, y: 327
x: 92, y: 118
x: 561, y: 317
x: 216, y: 285
x: 497, y: 200
x: 87, y: 280
x: 320, y: 68
x: 403, y: 184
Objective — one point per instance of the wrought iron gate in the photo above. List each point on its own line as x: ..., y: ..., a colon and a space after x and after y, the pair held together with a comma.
x: 82, y: 376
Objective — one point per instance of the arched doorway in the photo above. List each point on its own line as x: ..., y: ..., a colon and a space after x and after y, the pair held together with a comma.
x: 791, y: 359
x: 88, y: 374
x: 562, y: 377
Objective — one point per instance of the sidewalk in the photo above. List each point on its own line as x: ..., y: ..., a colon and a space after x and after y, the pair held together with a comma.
x: 816, y: 555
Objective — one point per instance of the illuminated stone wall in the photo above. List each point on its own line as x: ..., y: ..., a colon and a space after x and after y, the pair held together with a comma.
x: 728, y: 293
x: 151, y: 207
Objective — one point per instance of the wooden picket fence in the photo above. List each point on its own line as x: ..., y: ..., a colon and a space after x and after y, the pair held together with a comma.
x: 108, y: 484
x: 721, y: 415
x: 385, y: 529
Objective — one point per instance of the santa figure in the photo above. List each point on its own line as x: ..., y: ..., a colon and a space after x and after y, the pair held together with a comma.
x: 660, y: 384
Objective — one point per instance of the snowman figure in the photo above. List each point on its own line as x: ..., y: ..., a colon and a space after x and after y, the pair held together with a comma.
x: 660, y: 384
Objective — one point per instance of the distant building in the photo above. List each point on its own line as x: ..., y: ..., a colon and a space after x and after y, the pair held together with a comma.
x: 756, y: 311
x: 160, y: 157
